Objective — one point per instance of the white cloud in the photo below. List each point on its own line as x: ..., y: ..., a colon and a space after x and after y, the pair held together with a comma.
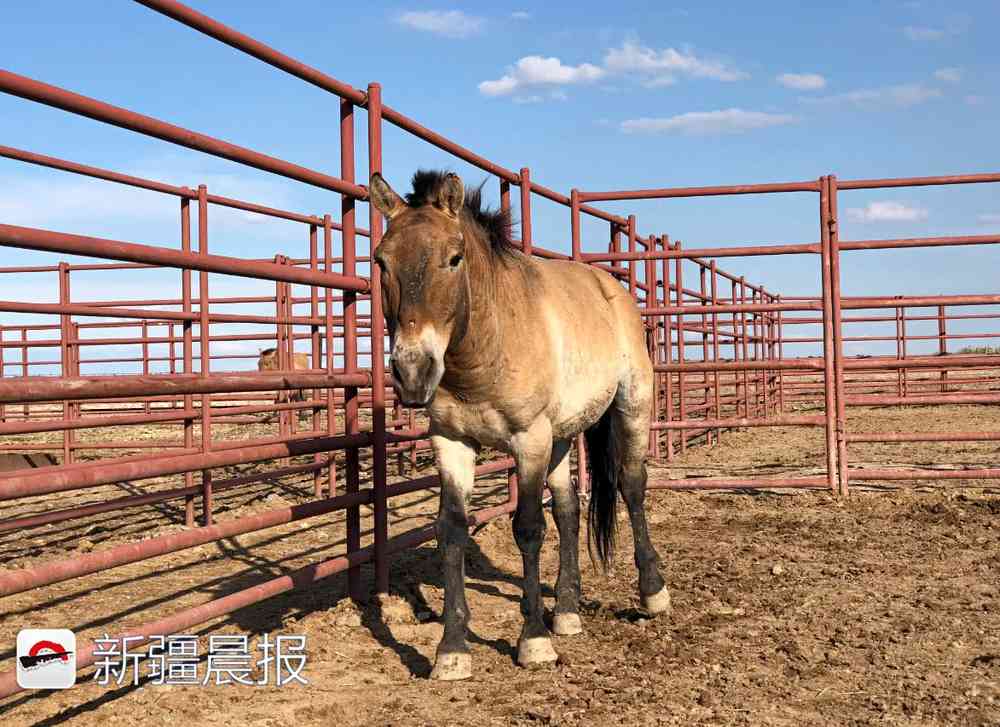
x: 521, y: 15
x: 951, y: 75
x: 902, y: 95
x: 989, y: 219
x: 652, y: 68
x: 449, y: 23
x: 664, y: 65
x: 923, y: 34
x: 887, y: 212
x: 727, y: 121
x: 802, y: 81
x: 533, y: 71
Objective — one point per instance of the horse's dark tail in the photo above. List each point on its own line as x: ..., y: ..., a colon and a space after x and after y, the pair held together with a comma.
x: 603, y: 462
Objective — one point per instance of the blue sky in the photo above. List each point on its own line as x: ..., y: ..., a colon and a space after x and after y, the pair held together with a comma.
x: 586, y: 94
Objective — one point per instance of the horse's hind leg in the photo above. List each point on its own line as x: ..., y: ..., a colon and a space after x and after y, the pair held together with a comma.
x: 632, y: 431
x: 566, y: 509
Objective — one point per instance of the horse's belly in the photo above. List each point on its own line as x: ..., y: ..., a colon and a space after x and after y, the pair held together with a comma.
x: 583, y: 398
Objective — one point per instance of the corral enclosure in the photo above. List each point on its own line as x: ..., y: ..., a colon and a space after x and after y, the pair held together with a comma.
x: 155, y: 482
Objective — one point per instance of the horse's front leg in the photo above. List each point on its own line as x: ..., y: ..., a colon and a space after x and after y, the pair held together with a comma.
x: 532, y: 450
x: 456, y: 461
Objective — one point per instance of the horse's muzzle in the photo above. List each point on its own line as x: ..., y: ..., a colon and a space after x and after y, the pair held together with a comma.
x: 415, y: 376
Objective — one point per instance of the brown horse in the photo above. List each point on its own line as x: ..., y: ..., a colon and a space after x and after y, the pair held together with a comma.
x: 521, y: 355
x: 268, y: 361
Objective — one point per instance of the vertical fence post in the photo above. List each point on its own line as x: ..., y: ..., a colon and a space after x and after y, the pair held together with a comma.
x: 205, y: 345
x: 665, y: 343
x: 902, y: 321
x: 838, y: 334
x: 733, y: 339
x: 171, y: 353
x: 767, y: 345
x: 287, y: 314
x: 74, y: 355
x: 24, y: 367
x: 631, y: 248
x: 574, y: 223
x: 285, y: 345
x: 781, y: 356
x: 145, y: 360
x: 66, y: 367
x: 613, y: 244
x: 381, y: 524
x: 772, y: 350
x: 668, y: 351
x: 942, y: 345
x: 681, y: 347
x: 526, y: 210
x: 187, y: 350
x: 899, y: 350
x: 703, y: 271
x: 653, y: 332
x: 715, y: 344
x: 759, y: 353
x: 744, y: 341
x: 352, y: 422
x: 829, y: 379
x: 328, y: 362
x: 316, y: 357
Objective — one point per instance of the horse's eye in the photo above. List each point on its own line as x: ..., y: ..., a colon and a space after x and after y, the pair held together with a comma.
x: 455, y: 260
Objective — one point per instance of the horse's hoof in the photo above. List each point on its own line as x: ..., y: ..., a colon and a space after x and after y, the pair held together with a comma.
x: 567, y: 624
x: 452, y: 667
x: 537, y: 650
x: 657, y: 603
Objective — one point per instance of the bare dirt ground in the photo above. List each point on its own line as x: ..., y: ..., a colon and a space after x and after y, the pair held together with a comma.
x: 789, y: 608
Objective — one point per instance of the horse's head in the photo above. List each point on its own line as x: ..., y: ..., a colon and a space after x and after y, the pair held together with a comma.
x: 425, y: 285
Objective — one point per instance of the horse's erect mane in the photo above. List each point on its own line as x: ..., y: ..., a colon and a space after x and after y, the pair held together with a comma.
x: 496, y: 224
x: 268, y: 351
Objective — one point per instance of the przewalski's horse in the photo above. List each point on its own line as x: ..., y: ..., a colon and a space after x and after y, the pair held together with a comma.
x: 268, y: 361
x: 521, y: 355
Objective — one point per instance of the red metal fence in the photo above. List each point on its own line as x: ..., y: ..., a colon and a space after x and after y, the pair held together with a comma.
x: 768, y: 314
x: 167, y: 374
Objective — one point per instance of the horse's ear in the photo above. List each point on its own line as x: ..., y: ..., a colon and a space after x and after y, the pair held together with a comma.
x: 451, y: 195
x: 383, y: 197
